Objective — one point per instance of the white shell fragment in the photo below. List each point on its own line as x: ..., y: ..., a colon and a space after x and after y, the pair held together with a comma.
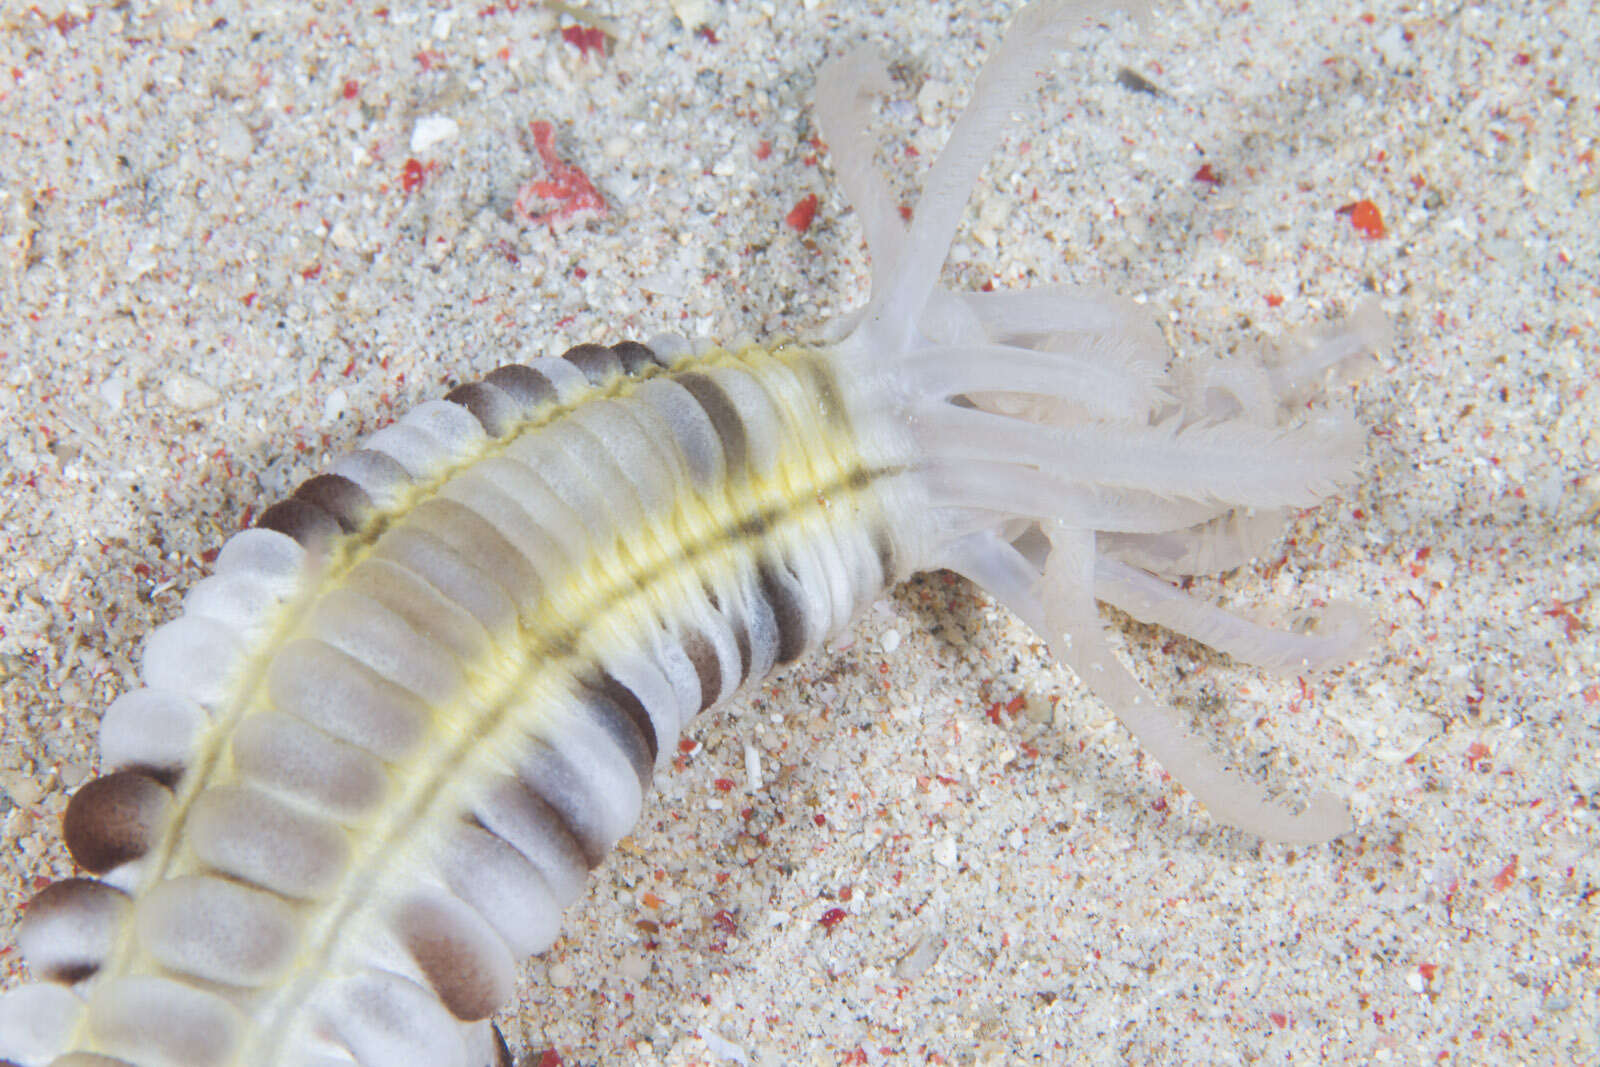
x: 432, y: 130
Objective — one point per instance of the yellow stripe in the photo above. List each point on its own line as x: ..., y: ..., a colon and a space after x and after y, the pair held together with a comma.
x: 819, y: 482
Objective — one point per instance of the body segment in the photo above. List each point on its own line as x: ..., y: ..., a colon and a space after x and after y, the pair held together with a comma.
x: 411, y: 743
x: 382, y: 746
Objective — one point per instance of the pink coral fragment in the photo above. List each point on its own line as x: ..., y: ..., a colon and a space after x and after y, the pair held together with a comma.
x: 565, y: 183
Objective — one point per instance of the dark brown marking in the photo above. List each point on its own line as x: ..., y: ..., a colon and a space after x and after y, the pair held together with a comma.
x: 598, y: 363
x: 548, y: 777
x: 825, y: 390
x: 113, y: 820
x: 883, y: 545
x: 526, y: 386
x: 781, y: 589
x: 83, y: 903
x: 753, y: 527
x: 448, y: 959
x: 1133, y: 81
x: 724, y: 418
x: 741, y: 640
x: 343, y: 500
x: 707, y: 666
x: 635, y: 357
x: 629, y: 722
x: 302, y: 520
x: 494, y: 410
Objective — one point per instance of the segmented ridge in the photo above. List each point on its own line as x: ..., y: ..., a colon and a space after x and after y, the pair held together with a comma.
x: 715, y: 559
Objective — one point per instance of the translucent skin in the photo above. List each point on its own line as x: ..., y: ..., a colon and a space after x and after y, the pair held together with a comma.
x: 381, y: 748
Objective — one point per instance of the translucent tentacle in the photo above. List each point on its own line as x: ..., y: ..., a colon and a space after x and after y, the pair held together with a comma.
x: 1079, y: 640
x: 1230, y: 540
x: 1024, y: 314
x: 1242, y: 465
x: 1151, y: 600
x: 1098, y: 386
x: 1058, y: 604
x: 1025, y: 492
x: 846, y: 87
x: 1035, y: 35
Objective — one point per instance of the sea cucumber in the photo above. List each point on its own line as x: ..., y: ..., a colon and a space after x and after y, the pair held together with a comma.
x: 382, y: 745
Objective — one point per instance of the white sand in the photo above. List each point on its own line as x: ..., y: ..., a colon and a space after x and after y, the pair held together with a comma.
x: 212, y: 279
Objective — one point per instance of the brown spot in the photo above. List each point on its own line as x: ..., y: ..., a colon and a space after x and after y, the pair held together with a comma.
x: 343, y: 500
x: 113, y: 820
x: 741, y: 639
x: 635, y: 357
x: 598, y: 363
x: 490, y: 406
x: 707, y: 667
x: 80, y: 911
x: 829, y: 404
x: 782, y: 590
x: 530, y: 389
x: 302, y: 520
x: 625, y: 702
x: 883, y: 546
x: 724, y: 416
x: 453, y: 961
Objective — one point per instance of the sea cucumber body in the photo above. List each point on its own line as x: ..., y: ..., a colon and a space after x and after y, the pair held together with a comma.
x: 379, y: 750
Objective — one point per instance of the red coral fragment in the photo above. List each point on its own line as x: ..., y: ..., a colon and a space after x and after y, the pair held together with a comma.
x: 565, y: 183
x: 800, y: 216
x: 1507, y: 875
x: 1571, y: 624
x: 586, y: 39
x: 831, y: 918
x: 1365, y: 216
x: 66, y: 22
x: 411, y: 175
x: 1207, y: 175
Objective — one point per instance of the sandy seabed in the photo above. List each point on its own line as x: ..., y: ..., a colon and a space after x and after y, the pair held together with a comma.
x: 235, y: 237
